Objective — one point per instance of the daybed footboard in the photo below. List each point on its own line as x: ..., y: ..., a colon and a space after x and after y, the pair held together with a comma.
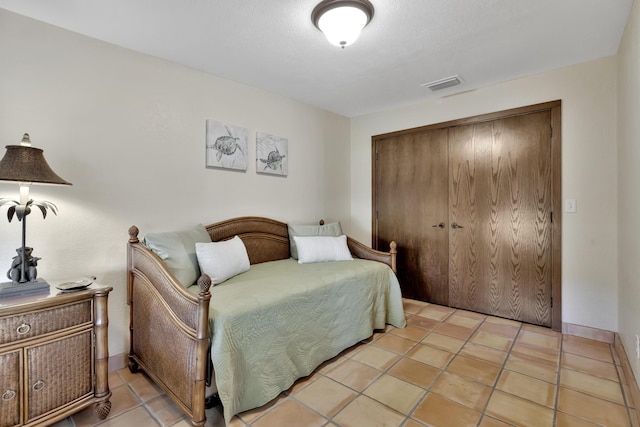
x: 168, y: 329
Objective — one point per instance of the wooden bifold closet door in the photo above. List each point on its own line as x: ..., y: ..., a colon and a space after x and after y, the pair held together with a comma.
x: 470, y: 206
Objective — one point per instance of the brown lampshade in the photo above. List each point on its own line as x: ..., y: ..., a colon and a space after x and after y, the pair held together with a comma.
x: 27, y: 164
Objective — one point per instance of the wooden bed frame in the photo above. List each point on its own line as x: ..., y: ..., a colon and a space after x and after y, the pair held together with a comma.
x: 169, y: 327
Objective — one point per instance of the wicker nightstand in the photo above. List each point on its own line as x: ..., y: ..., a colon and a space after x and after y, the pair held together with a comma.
x: 53, y: 356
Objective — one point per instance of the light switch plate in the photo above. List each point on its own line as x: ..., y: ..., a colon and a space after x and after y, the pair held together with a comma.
x: 570, y: 206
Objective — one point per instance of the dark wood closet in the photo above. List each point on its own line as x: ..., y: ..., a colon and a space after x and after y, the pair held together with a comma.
x: 471, y: 205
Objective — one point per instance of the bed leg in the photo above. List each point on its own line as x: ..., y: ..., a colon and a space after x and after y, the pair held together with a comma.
x: 211, y: 401
x: 133, y: 365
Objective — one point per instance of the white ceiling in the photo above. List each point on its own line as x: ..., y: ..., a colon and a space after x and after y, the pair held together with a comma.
x: 273, y: 45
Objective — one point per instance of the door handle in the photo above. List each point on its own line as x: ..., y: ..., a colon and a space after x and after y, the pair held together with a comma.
x: 455, y: 226
x: 441, y: 225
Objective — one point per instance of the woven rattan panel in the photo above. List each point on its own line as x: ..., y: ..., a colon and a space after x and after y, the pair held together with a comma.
x: 10, y: 389
x: 264, y: 238
x: 184, y: 309
x: 58, y: 372
x: 161, y: 345
x: 28, y: 325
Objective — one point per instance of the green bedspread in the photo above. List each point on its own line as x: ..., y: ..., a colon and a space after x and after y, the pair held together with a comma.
x: 278, y: 321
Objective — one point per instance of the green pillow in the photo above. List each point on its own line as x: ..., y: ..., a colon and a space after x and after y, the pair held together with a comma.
x: 333, y: 229
x: 178, y: 251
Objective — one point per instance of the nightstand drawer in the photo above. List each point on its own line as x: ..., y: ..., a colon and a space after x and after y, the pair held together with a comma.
x: 29, y: 325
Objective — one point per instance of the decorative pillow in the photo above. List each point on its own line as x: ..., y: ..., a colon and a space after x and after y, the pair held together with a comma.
x: 322, y: 248
x: 332, y: 229
x: 178, y: 251
x: 222, y: 260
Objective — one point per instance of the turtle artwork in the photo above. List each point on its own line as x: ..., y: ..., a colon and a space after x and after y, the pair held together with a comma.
x: 271, y: 154
x: 273, y: 160
x: 226, y: 146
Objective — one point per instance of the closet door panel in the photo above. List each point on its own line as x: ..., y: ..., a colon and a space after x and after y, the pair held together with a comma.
x: 500, y: 193
x: 411, y: 202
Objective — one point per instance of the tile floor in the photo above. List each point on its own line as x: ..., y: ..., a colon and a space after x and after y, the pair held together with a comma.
x: 446, y: 368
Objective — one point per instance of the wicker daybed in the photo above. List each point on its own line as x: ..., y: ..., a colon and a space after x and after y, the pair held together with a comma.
x: 175, y: 331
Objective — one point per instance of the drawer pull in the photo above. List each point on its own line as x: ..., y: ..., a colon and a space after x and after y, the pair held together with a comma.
x: 8, y: 395
x: 23, y: 329
x: 39, y: 385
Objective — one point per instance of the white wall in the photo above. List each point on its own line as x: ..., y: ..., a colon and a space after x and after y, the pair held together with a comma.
x: 128, y: 131
x: 628, y: 183
x: 588, y: 94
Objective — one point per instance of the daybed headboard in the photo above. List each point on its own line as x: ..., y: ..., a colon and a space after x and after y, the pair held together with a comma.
x: 264, y: 238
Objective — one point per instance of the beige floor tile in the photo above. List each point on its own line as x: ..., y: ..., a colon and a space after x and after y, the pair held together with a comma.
x: 566, y: 420
x: 303, y: 382
x: 63, y: 423
x: 488, y: 421
x: 413, y: 306
x: 354, y: 374
x: 394, y: 343
x: 430, y: 355
x: 330, y: 364
x: 545, y: 353
x: 145, y: 389
x: 533, y: 366
x: 127, y: 376
x: 431, y: 313
x: 635, y: 417
x: 589, y: 366
x: 454, y: 331
x: 474, y: 369
x: 115, y: 380
x: 422, y: 322
x: 484, y: 353
x: 253, y: 414
x: 598, y: 387
x: 587, y: 348
x: 526, y: 387
x: 395, y: 393
x: 437, y: 411
x: 137, y: 417
x: 325, y: 396
x: 471, y: 314
x: 412, y: 333
x: 164, y: 410
x: 542, y: 340
x: 364, y: 411
x: 540, y: 330
x: 462, y: 390
x: 122, y: 400
x: 415, y: 372
x: 507, y: 331
x: 290, y: 414
x: 444, y: 342
x: 412, y: 423
x: 491, y: 340
x: 591, y: 408
x: 376, y: 357
x: 354, y: 349
x: 503, y: 321
x: 464, y: 321
x: 514, y: 410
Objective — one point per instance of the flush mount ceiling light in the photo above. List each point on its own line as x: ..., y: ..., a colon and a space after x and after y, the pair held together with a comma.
x: 342, y: 20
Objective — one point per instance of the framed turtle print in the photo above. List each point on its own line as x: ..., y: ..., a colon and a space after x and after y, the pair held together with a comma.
x: 272, y: 154
x: 226, y: 146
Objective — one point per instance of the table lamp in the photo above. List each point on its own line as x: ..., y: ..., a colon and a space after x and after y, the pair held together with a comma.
x: 25, y: 165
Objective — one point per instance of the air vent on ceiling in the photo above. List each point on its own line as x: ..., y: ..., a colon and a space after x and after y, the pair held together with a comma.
x: 443, y: 83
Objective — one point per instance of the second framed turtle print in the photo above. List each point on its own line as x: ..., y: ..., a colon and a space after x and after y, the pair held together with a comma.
x: 272, y: 154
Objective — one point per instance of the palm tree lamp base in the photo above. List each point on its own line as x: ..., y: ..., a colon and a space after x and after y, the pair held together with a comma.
x: 10, y: 289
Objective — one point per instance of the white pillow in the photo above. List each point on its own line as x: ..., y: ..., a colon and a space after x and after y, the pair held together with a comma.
x: 222, y: 260
x: 322, y: 248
